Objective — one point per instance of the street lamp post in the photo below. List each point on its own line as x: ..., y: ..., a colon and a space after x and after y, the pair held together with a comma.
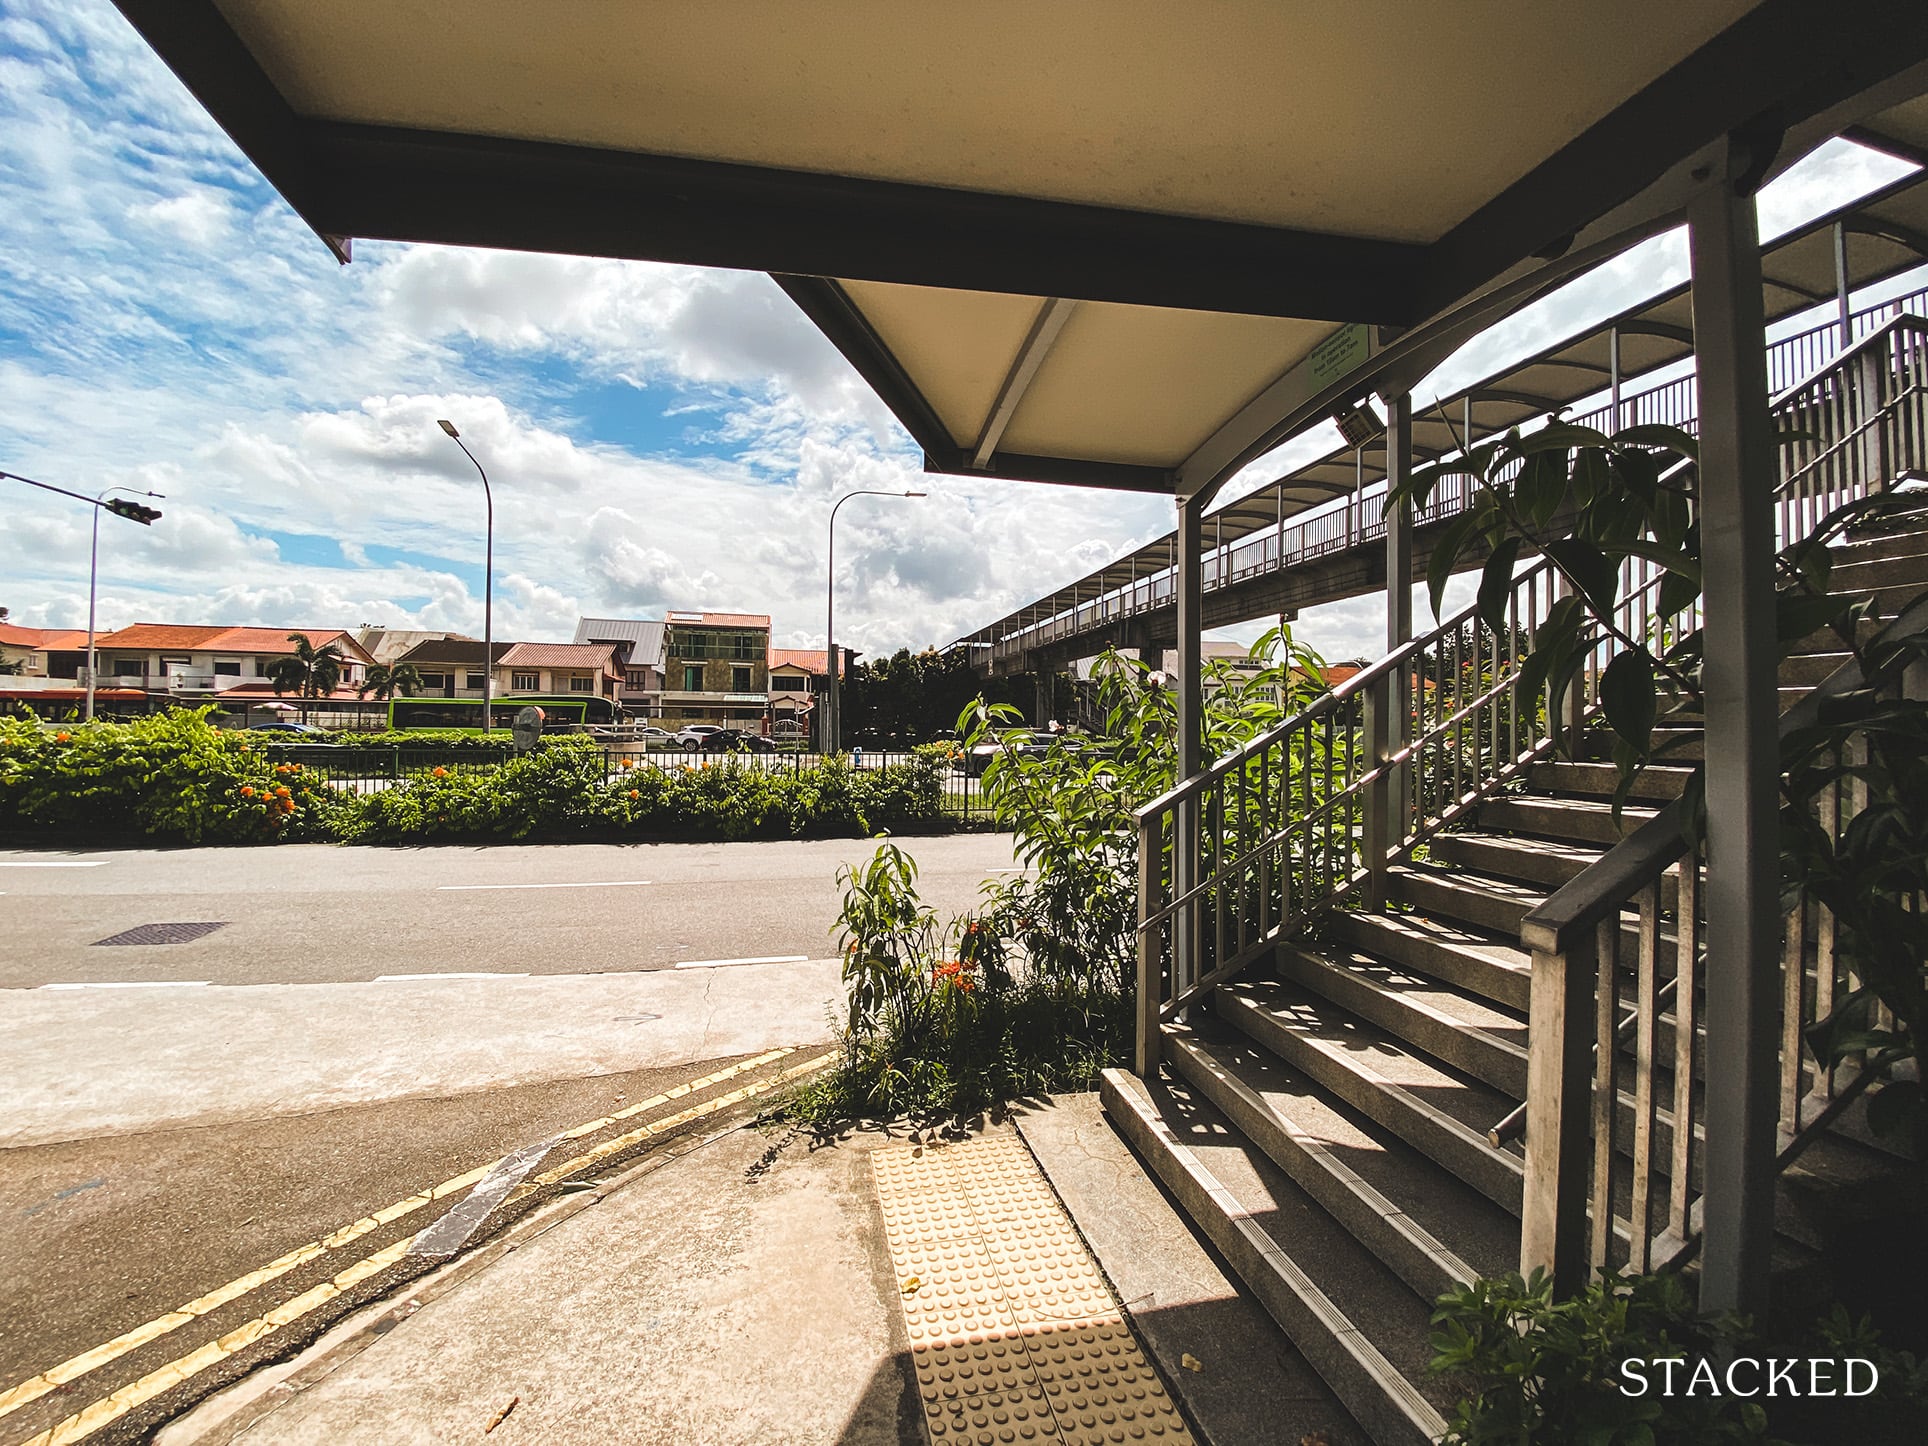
x: 488, y: 584
x: 133, y: 512
x: 832, y: 730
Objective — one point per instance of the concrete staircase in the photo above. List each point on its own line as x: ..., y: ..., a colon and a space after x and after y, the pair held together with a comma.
x: 1324, y: 1118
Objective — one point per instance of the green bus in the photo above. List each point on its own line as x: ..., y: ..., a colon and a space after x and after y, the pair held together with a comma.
x: 465, y: 714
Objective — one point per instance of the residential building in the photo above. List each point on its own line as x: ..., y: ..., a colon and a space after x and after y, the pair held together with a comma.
x: 211, y: 659
x: 639, y: 653
x: 558, y: 668
x: 451, y: 667
x: 41, y: 652
x: 716, y: 668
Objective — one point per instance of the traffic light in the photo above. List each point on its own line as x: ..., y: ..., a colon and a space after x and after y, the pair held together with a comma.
x: 133, y: 511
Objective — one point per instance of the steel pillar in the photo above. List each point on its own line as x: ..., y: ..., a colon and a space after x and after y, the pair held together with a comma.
x: 1737, y: 484
x: 1187, y: 934
x: 1397, y: 729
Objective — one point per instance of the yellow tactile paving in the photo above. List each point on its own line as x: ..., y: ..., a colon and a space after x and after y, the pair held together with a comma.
x: 1014, y: 1334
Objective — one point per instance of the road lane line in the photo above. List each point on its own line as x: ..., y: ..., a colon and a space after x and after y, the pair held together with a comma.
x: 452, y: 974
x: 49, y: 1380
x: 611, y: 884
x: 725, y: 963
x: 64, y: 864
x: 133, y: 984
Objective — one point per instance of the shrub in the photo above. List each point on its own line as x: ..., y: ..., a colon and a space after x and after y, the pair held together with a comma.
x: 1537, y: 1370
x: 170, y: 775
x: 1049, y: 960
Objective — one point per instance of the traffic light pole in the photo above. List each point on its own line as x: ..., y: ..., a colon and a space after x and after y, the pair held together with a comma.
x: 133, y: 512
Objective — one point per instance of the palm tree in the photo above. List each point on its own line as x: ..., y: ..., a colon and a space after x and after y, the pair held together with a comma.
x: 308, y: 672
x: 384, y: 683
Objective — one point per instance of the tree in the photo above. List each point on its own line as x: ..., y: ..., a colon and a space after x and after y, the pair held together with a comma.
x: 383, y: 683
x: 6, y: 667
x: 307, y: 672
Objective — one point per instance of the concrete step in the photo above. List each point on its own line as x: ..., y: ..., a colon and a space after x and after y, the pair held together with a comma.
x: 1490, y: 904
x: 1317, y: 1143
x: 1459, y: 1030
x: 1659, y: 783
x: 1494, y: 969
x: 1439, y: 1112
x: 1857, y: 574
x: 1806, y: 670
x: 1297, y: 1261
x: 1672, y: 746
x: 1568, y: 820
x: 1889, y: 601
x: 1527, y: 860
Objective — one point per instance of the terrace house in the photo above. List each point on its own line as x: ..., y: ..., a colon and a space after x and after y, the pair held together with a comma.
x: 556, y: 668
x: 451, y: 667
x: 192, y: 659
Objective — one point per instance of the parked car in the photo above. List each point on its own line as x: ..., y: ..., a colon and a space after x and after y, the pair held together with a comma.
x: 692, y: 737
x: 646, y: 734
x: 1034, y: 745
x: 731, y: 740
x: 299, y: 730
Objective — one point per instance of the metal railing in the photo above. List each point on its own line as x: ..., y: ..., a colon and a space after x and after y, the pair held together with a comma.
x: 1791, y: 362
x: 1237, y: 856
x: 1617, y: 1046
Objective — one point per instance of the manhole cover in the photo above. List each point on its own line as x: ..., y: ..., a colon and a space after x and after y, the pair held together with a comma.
x: 162, y: 934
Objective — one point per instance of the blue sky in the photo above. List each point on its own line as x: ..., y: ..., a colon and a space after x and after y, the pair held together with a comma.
x: 658, y: 436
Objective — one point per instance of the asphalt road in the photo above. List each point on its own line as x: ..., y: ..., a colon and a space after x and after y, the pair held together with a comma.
x: 316, y: 913
x: 175, y: 1116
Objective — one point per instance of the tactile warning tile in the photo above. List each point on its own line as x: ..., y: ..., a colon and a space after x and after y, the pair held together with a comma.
x: 1013, y: 1332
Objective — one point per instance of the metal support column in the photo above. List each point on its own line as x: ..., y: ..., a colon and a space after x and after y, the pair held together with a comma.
x: 1844, y: 314
x: 1613, y: 379
x: 1188, y: 934
x: 1737, y: 484
x: 1397, y: 730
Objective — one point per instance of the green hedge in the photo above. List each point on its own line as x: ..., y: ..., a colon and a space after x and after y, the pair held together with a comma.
x: 174, y: 777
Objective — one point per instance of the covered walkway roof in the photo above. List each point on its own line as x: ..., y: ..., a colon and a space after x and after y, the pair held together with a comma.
x: 1884, y: 234
x: 1114, y: 242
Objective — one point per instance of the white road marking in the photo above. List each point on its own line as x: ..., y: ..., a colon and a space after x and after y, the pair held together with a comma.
x: 480, y: 974
x: 62, y: 864
x: 135, y: 984
x: 721, y: 963
x: 612, y: 884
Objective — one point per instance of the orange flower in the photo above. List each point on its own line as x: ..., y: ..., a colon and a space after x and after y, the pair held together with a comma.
x: 634, y: 794
x: 246, y: 792
x: 62, y: 737
x: 287, y: 805
x: 281, y: 793
x: 440, y: 773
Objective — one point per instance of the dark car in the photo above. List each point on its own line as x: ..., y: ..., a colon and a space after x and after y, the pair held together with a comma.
x: 730, y: 740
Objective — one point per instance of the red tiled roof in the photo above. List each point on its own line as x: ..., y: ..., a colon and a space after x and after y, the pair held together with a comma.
x: 15, y: 637
x: 221, y: 638
x: 560, y: 655
x: 718, y: 620
x: 804, y: 658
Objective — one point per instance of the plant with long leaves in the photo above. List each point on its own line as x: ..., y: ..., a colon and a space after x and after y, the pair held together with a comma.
x: 309, y: 671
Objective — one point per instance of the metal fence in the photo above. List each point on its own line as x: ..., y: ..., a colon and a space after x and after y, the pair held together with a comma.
x: 365, y: 770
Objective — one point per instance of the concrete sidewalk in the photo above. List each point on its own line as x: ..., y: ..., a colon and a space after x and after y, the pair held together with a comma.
x: 736, y: 1295
x: 755, y: 1289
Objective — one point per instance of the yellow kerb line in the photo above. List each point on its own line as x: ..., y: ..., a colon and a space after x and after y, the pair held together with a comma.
x: 35, y: 1387
x: 669, y: 1122
x: 91, y: 1418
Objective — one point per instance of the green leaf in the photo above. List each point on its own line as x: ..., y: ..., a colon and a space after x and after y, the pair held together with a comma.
x: 1445, y: 554
x: 1596, y: 575
x: 1496, y: 584
x: 1676, y: 594
x: 1797, y: 614
x: 1892, y: 1110
x: 1656, y: 434
x: 1637, y: 473
x: 1542, y: 486
x: 1592, y: 476
x: 1627, y: 698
